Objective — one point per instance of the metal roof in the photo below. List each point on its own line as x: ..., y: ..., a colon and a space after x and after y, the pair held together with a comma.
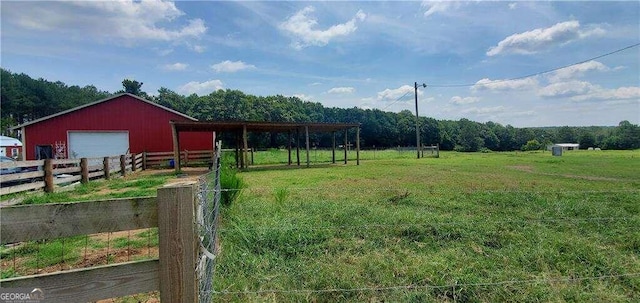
x: 265, y: 127
x: 98, y: 102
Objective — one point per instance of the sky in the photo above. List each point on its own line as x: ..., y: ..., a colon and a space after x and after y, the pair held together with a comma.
x: 471, y: 55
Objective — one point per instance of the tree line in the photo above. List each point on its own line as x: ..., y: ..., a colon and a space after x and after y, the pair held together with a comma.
x: 25, y: 99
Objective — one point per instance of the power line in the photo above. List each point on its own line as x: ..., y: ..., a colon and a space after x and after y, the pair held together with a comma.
x: 417, y: 287
x: 542, y: 72
x: 396, y: 101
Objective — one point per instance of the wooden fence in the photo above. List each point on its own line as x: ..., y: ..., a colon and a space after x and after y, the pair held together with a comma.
x: 187, y: 158
x: 173, y: 273
x: 49, y: 175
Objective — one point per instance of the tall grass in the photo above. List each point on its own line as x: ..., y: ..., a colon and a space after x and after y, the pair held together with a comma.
x: 492, y: 227
x: 230, y: 183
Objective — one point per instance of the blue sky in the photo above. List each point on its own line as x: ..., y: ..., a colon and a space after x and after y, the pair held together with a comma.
x: 346, y: 54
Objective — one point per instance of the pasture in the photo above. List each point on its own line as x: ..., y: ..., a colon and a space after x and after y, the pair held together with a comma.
x: 481, y: 227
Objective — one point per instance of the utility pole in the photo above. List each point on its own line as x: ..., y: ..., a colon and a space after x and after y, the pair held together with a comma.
x: 415, y: 86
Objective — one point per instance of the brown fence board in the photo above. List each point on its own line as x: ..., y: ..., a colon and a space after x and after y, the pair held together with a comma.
x: 50, y: 221
x: 96, y: 174
x: 65, y: 161
x: 92, y: 284
x: 21, y: 176
x: 21, y: 164
x: 67, y: 170
x: 67, y: 180
x: 18, y: 188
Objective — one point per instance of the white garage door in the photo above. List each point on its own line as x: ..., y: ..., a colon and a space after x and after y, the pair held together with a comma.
x: 97, y: 144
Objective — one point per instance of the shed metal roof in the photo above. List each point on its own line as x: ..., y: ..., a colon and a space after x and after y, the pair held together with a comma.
x: 98, y: 102
x: 260, y: 126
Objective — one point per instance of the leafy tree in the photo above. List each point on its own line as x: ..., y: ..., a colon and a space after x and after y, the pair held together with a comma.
x: 134, y: 87
x: 628, y: 135
x: 532, y: 145
x: 468, y: 139
x: 586, y: 140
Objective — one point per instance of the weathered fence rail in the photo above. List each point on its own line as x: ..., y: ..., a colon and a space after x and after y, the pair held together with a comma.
x: 172, y: 212
x: 187, y: 158
x: 185, y: 214
x: 51, y: 173
x: 47, y: 176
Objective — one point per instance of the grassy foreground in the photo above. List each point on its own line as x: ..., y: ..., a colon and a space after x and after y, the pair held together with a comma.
x: 495, y: 227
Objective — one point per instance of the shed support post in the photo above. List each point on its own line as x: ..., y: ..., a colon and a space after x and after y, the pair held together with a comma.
x: 298, y: 145
x: 333, y: 147
x: 346, y: 142
x: 176, y: 148
x: 245, y: 153
x: 289, y: 147
x: 238, y: 159
x: 358, y: 145
x: 306, y: 133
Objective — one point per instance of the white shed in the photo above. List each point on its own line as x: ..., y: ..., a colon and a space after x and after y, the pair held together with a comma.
x: 566, y: 146
x: 10, y: 147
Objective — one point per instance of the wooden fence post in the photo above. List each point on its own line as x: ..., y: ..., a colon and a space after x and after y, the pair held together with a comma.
x: 84, y: 169
x: 177, y: 243
x: 48, y: 175
x: 144, y: 160
x: 133, y: 162
x: 106, y: 168
x: 123, y: 165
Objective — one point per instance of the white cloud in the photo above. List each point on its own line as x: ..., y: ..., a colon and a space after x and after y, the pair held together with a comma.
x: 231, y: 66
x: 466, y: 100
x: 504, y: 85
x: 301, y: 26
x: 125, y: 20
x: 394, y: 94
x: 302, y: 97
x: 598, y: 93
x: 565, y: 89
x: 198, y: 48
x: 175, y: 66
x: 435, y: 7
x: 542, y: 38
x: 484, y: 110
x: 577, y: 70
x: 584, y: 91
x: 513, y: 5
x: 341, y: 90
x: 200, y: 88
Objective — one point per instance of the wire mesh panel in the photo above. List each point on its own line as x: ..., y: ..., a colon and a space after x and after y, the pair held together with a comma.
x: 207, y: 216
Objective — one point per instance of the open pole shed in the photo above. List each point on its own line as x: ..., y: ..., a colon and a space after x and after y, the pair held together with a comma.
x: 242, y: 128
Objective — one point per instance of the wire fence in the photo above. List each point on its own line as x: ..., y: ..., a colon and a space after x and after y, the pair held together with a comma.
x: 207, y: 218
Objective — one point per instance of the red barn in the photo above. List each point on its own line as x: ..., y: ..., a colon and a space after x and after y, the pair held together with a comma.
x: 120, y: 124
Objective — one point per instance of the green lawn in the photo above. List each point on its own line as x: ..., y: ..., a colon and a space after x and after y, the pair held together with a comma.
x: 481, y: 227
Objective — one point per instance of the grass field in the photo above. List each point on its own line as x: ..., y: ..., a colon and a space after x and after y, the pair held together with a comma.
x: 494, y: 227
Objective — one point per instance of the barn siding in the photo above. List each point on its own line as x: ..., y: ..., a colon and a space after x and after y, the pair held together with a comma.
x: 148, y: 126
